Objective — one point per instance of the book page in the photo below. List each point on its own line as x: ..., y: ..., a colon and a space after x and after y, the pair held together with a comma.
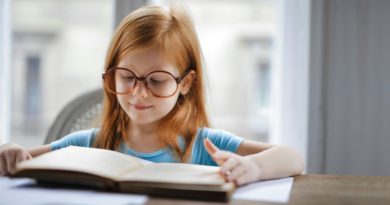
x: 105, y: 163
x: 176, y: 173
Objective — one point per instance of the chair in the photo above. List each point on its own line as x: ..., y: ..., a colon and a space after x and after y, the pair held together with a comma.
x: 83, y: 112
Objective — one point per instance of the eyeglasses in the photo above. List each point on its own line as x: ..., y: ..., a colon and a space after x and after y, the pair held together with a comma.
x: 159, y: 83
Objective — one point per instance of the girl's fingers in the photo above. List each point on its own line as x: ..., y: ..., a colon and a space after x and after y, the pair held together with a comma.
x: 218, y: 155
x: 229, y: 164
x: 223, y: 155
x: 29, y: 156
x: 21, y: 157
x: 10, y: 155
x: 3, y: 165
x: 213, y: 151
x: 242, y: 179
x: 10, y: 162
x: 210, y: 147
x: 235, y: 173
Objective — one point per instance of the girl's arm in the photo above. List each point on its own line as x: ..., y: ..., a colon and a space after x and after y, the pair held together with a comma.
x: 256, y: 161
x: 11, y: 154
x: 40, y: 150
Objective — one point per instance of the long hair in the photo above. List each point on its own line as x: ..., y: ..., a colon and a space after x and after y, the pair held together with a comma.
x: 173, y: 31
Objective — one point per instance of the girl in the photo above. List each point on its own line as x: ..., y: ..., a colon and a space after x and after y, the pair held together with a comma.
x: 154, y: 106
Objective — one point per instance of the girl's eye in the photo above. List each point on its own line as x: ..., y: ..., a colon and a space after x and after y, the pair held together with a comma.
x: 127, y: 77
x: 155, y: 82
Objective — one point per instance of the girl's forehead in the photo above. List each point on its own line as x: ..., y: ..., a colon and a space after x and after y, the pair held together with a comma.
x: 146, y: 61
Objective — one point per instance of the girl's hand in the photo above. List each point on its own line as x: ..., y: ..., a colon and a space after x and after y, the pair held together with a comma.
x: 235, y: 168
x: 10, y: 155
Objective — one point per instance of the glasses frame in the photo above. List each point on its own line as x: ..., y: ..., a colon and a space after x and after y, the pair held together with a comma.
x: 143, y: 79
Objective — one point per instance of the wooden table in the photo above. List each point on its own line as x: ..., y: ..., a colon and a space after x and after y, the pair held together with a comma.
x: 321, y: 189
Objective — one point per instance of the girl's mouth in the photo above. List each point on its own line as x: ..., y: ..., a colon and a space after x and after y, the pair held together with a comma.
x: 141, y: 107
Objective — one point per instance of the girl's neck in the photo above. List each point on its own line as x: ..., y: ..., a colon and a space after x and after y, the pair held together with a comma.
x: 142, y: 129
x: 144, y: 137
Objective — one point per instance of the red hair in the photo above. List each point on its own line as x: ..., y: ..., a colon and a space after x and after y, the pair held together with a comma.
x: 173, y: 31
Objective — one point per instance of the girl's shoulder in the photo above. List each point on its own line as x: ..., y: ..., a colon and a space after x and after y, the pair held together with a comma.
x: 212, y: 133
x: 221, y: 138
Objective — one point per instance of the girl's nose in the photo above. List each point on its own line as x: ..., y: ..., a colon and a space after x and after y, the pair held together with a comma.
x: 140, y: 89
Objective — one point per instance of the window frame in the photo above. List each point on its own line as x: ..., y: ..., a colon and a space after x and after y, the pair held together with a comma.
x: 5, y: 71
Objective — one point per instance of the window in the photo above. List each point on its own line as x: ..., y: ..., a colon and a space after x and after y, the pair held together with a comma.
x: 58, y: 51
x: 33, y: 95
x: 237, y: 41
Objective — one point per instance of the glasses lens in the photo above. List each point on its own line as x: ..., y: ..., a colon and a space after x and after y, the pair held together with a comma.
x: 161, y: 84
x: 124, y: 81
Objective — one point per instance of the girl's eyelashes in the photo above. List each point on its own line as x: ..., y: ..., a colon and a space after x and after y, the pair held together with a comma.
x: 155, y: 82
x: 128, y: 78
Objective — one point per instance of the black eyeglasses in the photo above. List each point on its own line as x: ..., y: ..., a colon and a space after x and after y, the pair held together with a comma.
x: 159, y: 83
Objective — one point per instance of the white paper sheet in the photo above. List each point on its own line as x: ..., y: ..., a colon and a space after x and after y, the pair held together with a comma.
x: 277, y: 190
x: 16, y: 191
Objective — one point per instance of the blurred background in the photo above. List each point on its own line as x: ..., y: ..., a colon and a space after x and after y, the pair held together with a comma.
x: 58, y: 50
x: 313, y: 74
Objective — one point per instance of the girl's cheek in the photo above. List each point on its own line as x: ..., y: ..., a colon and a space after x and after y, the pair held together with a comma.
x: 168, y: 104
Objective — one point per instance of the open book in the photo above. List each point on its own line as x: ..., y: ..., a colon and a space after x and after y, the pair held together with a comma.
x: 114, y: 171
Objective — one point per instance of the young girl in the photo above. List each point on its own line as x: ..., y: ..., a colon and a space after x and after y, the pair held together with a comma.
x: 154, y: 106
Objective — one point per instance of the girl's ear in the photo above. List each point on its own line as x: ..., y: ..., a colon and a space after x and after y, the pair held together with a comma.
x: 187, y: 81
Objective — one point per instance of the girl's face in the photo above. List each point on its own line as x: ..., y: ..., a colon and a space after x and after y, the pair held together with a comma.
x: 140, y: 105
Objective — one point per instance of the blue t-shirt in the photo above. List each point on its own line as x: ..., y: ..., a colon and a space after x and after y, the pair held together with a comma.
x: 222, y: 139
